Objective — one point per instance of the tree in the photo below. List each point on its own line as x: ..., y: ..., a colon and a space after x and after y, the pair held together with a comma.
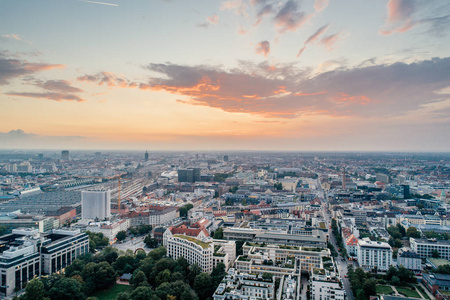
x: 164, y: 276
x: 144, y: 229
x: 234, y: 189
x: 143, y: 293
x: 139, y: 279
x: 157, y: 253
x: 34, y: 290
x: 278, y: 186
x: 395, y: 280
x: 121, y: 235
x: 217, y: 274
x: 435, y: 253
x: 218, y: 234
x: 123, y: 296
x: 194, y: 270
x: 412, y: 232
x: 150, y: 242
x: 67, y: 289
x: 202, y: 285
x: 267, y: 276
x: 370, y: 287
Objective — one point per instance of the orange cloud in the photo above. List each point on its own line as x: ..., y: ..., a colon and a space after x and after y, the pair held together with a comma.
x: 263, y: 48
x: 312, y: 39
x: 330, y: 40
x: 108, y: 78
x: 49, y: 96
x: 214, y: 19
x: 320, y: 5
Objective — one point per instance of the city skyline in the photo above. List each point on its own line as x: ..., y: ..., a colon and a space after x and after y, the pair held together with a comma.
x: 219, y: 75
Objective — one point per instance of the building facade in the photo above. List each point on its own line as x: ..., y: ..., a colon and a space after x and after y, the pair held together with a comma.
x: 96, y: 205
x: 426, y: 247
x: 374, y: 255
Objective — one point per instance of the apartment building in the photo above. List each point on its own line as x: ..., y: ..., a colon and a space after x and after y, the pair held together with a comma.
x: 409, y: 259
x: 242, y: 286
x: 326, y: 285
x: 374, y: 255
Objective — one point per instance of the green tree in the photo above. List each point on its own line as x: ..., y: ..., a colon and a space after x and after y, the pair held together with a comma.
x: 267, y: 276
x: 234, y: 189
x: 218, y: 234
x: 278, y: 186
x: 123, y: 296
x: 67, y: 289
x: 412, y: 232
x: 144, y: 229
x: 202, y: 285
x: 34, y: 290
x: 121, y: 235
x: 395, y: 280
x: 150, y: 242
x: 194, y: 271
x: 157, y: 253
x: 217, y: 274
x: 435, y: 254
x: 143, y: 293
x: 164, y: 276
x: 184, y: 210
x: 139, y: 279
x: 370, y: 287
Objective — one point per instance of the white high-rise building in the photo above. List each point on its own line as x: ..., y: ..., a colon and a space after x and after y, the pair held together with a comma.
x: 374, y: 255
x: 95, y: 204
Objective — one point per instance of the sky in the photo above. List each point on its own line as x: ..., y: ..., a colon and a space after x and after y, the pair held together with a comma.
x: 295, y: 75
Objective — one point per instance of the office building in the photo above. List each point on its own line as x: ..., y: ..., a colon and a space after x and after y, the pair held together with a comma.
x: 374, y: 255
x: 26, y: 253
x: 95, y: 205
x: 237, y: 285
x: 189, y: 175
x: 426, y: 247
x: 146, y: 156
x: 98, y: 155
x: 65, y: 155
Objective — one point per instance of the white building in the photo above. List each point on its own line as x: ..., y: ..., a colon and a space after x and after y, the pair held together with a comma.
x: 409, y: 259
x: 96, y: 205
x: 207, y: 253
x: 108, y: 228
x: 374, y: 255
x: 242, y: 286
x: 326, y: 285
x: 425, y: 247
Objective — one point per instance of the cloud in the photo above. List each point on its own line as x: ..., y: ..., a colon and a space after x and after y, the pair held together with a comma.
x: 109, y: 79
x: 263, y: 48
x: 399, y: 17
x: 11, y: 36
x: 20, y: 139
x: 287, y: 92
x: 264, y: 11
x: 330, y: 40
x: 320, y: 5
x: 211, y: 20
x: 239, y: 7
x: 290, y: 18
x: 312, y: 38
x: 58, y: 85
x: 49, y: 96
x: 13, y: 68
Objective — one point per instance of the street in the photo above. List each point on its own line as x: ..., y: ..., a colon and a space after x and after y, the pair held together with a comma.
x: 132, y: 244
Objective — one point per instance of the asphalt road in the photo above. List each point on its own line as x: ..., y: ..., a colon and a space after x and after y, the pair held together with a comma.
x: 132, y: 244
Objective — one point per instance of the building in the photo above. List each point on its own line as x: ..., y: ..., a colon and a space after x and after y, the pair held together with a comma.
x: 318, y: 239
x: 325, y: 285
x: 109, y: 229
x: 189, y: 175
x: 26, y: 253
x: 205, y: 252
x: 289, y: 288
x: 65, y: 155
x: 96, y: 205
x: 437, y: 284
x: 242, y: 286
x: 425, y: 247
x: 146, y: 156
x: 259, y: 254
x: 374, y: 255
x: 409, y: 259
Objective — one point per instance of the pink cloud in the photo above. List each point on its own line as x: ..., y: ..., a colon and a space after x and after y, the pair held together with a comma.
x: 49, y: 96
x: 214, y: 19
x: 320, y: 5
x: 313, y: 38
x: 330, y: 40
x: 109, y: 79
x: 399, y: 17
x: 263, y: 48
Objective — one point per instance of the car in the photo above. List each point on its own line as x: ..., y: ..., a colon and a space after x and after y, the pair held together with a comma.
x: 345, y: 276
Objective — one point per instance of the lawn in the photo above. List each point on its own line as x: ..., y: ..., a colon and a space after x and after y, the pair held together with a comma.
x: 420, y: 289
x: 408, y: 292
x: 384, y: 289
x: 111, y: 294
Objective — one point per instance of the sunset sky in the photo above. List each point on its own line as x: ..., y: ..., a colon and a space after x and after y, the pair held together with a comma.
x: 297, y: 75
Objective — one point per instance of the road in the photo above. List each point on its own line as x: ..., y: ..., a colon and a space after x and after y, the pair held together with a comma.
x: 341, y: 263
x: 132, y: 244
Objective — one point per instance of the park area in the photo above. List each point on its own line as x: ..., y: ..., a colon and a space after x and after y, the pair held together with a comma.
x: 111, y: 293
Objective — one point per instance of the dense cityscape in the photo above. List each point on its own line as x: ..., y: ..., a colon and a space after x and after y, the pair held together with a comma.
x: 224, y: 225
